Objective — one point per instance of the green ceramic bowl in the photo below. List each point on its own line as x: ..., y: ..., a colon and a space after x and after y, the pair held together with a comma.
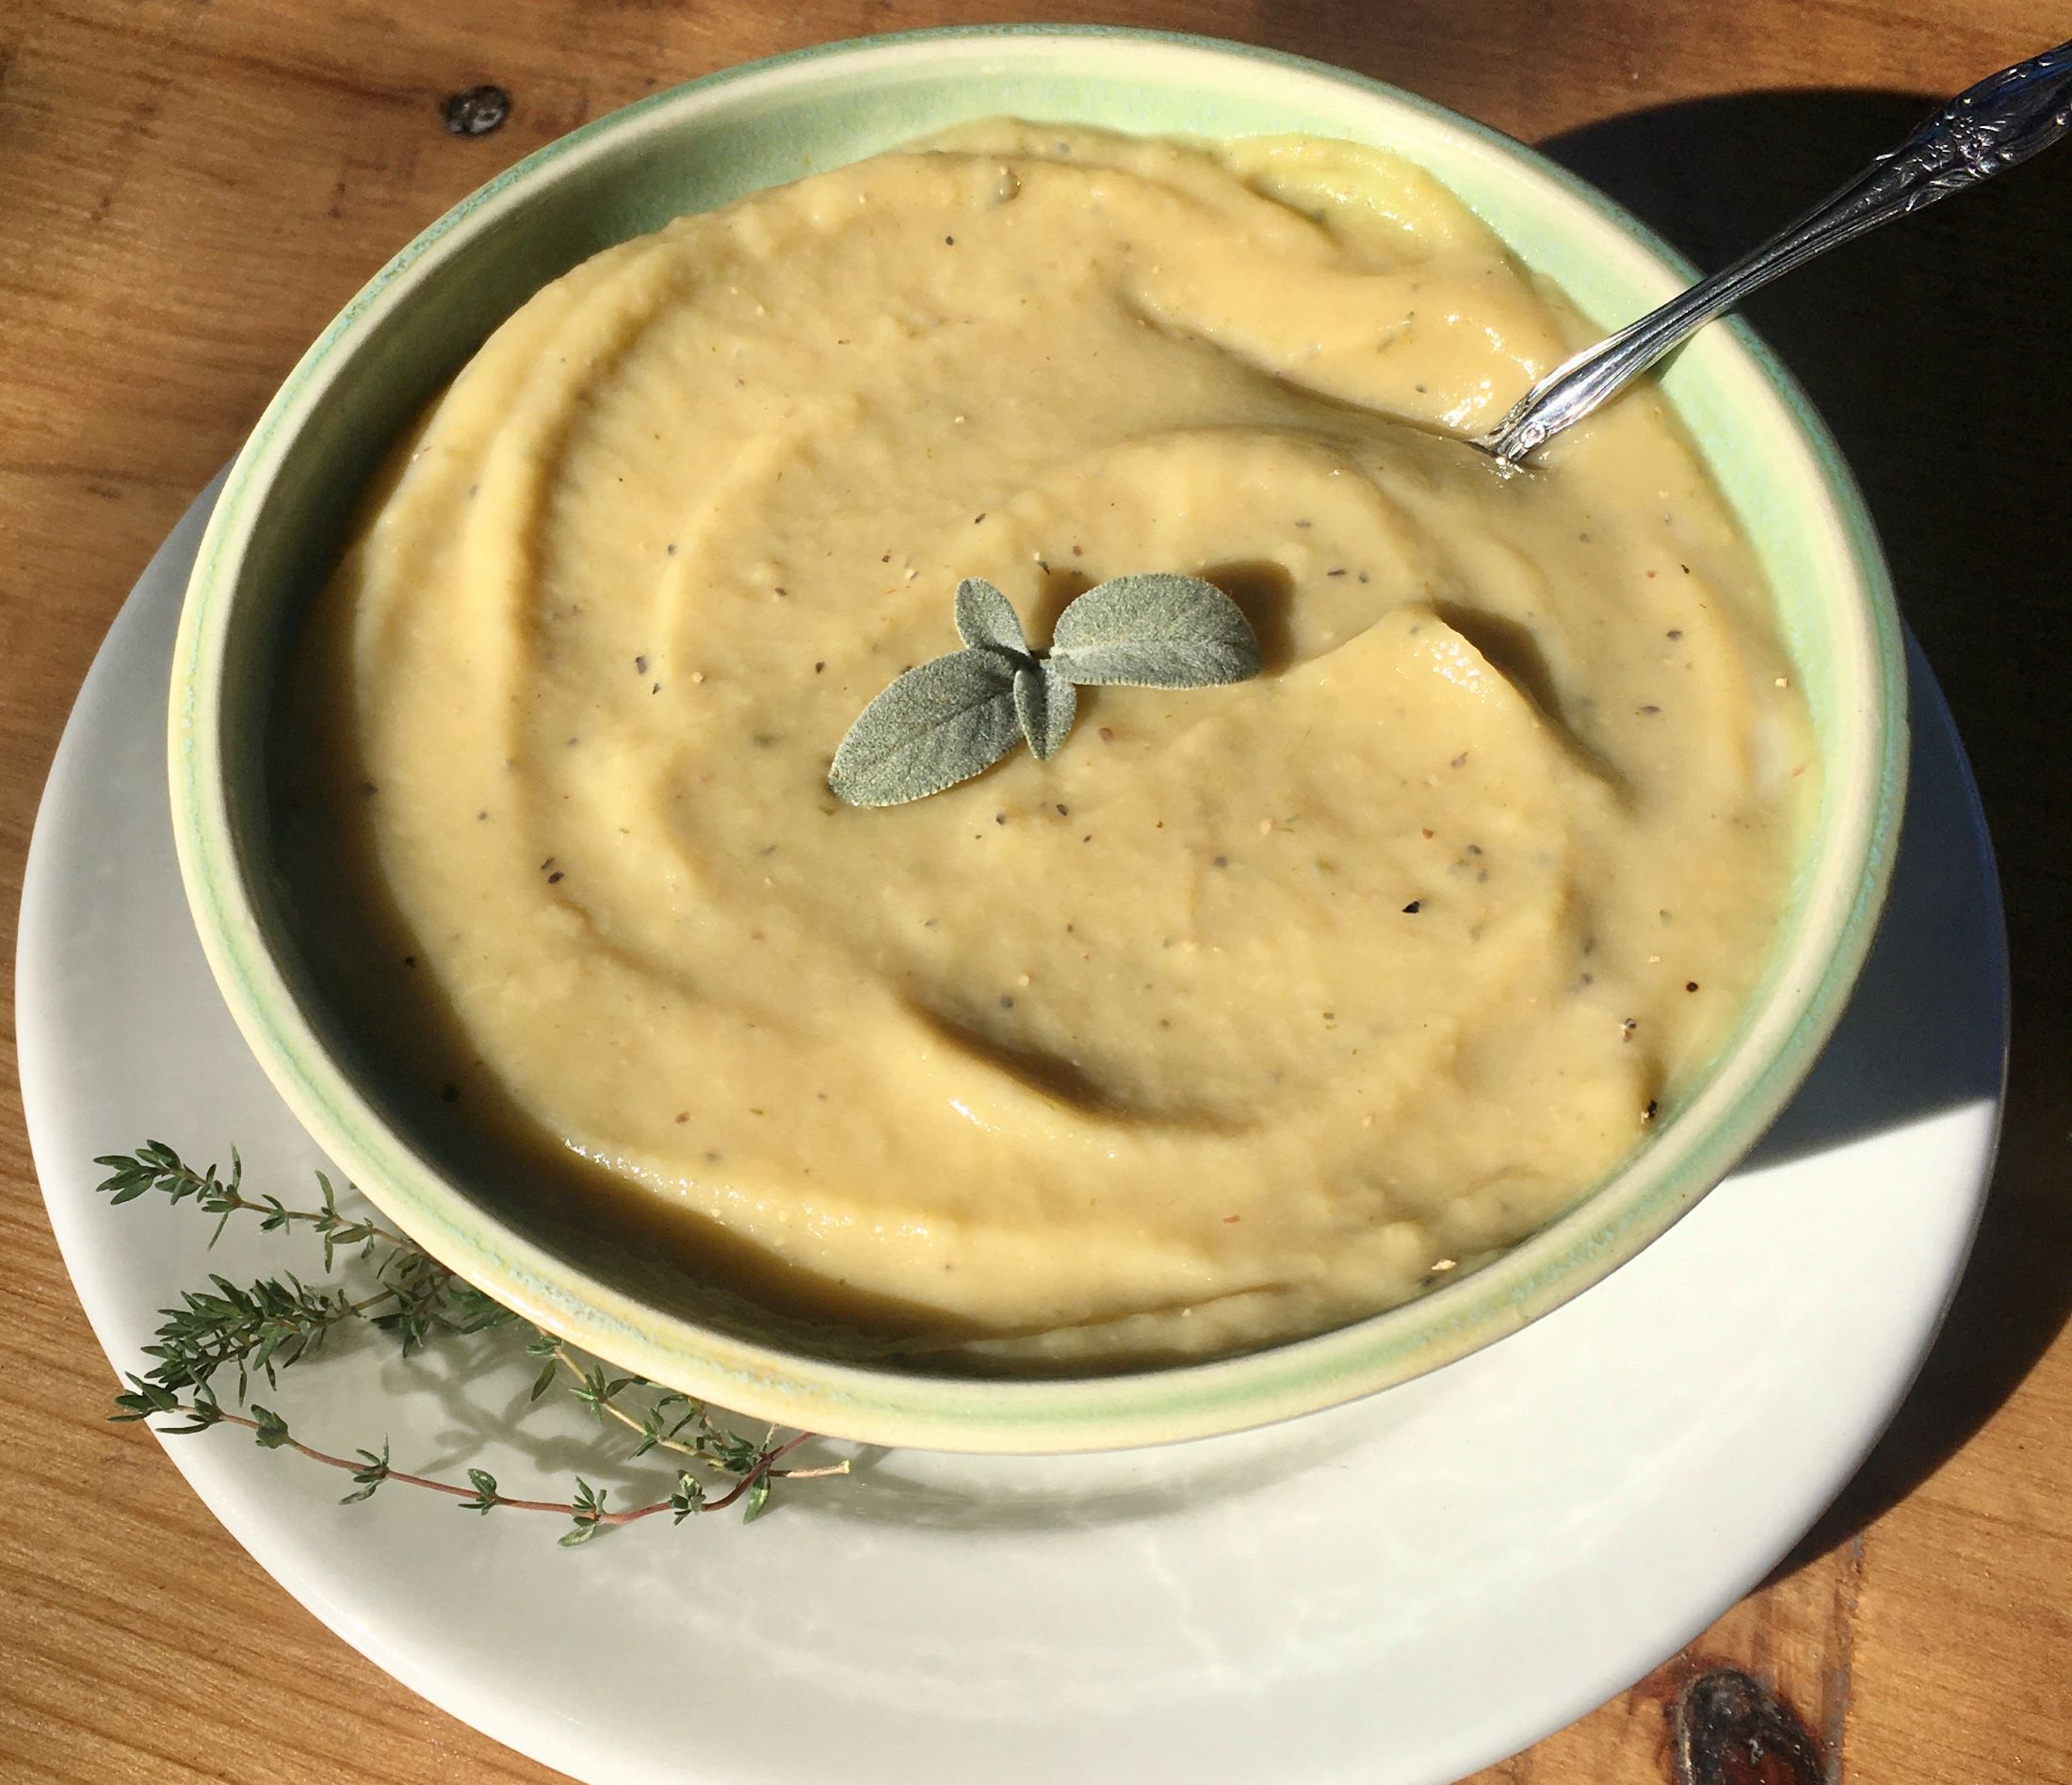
x: 292, y: 488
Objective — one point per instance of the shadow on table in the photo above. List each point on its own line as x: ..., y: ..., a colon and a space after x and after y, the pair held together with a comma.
x: 1939, y: 353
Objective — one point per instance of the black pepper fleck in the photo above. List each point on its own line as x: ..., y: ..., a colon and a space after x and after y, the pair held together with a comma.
x: 556, y: 876
x: 1412, y: 909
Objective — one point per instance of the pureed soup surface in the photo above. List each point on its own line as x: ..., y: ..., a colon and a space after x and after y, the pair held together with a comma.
x: 1258, y: 1008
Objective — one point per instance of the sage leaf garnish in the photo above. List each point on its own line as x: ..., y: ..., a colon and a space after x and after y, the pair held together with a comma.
x: 1154, y: 632
x: 954, y: 716
x: 986, y: 617
x: 1046, y: 704
x: 941, y: 723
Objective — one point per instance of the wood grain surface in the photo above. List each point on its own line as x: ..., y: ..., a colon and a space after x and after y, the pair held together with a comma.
x: 190, y: 188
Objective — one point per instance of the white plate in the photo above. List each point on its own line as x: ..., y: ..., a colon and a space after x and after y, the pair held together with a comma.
x: 1400, y: 1591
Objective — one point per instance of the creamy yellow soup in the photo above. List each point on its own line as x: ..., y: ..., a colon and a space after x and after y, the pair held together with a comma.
x: 1255, y: 1009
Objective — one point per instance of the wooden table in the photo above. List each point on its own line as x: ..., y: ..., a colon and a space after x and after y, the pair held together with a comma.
x: 189, y: 190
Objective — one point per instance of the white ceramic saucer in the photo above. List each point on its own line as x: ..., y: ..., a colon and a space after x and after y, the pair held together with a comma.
x: 1398, y: 1591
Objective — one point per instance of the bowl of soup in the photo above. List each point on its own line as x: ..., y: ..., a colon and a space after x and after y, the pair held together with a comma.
x: 1261, y: 1045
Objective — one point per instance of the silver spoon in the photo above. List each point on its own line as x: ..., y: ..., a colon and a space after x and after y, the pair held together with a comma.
x: 2005, y: 118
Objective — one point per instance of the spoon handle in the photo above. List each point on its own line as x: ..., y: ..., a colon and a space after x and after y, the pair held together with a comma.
x: 2005, y: 118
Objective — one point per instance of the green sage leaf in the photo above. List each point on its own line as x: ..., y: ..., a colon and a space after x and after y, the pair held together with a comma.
x: 941, y: 723
x: 986, y: 618
x: 1155, y: 630
x: 1047, y: 704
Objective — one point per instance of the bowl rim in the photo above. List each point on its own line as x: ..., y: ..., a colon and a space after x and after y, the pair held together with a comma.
x: 1083, y: 1413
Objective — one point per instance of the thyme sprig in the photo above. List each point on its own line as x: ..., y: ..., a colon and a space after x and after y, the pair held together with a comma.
x: 263, y: 1328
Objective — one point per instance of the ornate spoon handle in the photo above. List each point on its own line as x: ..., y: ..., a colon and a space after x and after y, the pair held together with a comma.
x: 2006, y: 118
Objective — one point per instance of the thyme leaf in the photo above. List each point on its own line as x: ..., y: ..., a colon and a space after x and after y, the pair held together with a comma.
x: 264, y: 1327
